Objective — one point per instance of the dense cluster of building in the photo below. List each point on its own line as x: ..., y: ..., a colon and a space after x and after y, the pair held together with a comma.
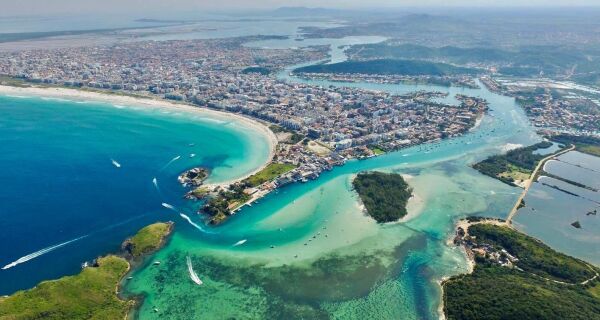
x: 223, y: 74
x: 547, y: 108
x: 448, y: 80
x: 214, y: 73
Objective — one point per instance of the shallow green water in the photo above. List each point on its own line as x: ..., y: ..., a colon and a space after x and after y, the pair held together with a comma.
x: 350, y: 267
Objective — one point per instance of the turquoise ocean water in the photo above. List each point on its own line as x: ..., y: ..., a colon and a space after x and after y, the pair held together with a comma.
x: 59, y: 182
x: 309, y: 250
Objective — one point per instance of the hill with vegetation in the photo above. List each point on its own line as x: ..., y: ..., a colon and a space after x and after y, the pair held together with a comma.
x: 520, y: 61
x: 542, y: 284
x: 147, y: 240
x: 384, y: 195
x: 389, y: 67
x: 91, y: 294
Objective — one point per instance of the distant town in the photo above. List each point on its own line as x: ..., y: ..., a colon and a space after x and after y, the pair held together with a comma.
x: 319, y: 127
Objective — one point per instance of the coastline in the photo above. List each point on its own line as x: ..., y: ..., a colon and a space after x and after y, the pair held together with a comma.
x: 95, y: 291
x: 152, y: 103
x: 463, y: 223
x: 414, y: 205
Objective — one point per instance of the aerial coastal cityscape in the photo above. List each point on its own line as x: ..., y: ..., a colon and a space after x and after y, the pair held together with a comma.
x: 417, y: 162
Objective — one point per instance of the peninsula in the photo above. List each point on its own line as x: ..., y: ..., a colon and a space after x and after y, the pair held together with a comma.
x: 93, y: 293
x: 518, y: 277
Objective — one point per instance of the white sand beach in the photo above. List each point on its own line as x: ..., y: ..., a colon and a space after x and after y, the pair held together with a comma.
x: 149, y: 102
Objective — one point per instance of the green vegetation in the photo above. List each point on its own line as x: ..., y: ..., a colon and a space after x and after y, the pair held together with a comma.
x: 293, y: 138
x: 585, y: 144
x: 589, y: 149
x: 524, y: 61
x: 493, y: 292
x: 384, y: 195
x: 377, y: 150
x: 534, y: 256
x: 88, y: 295
x: 200, y: 192
x: 270, y: 172
x: 220, y: 206
x: 516, y: 164
x: 496, y: 292
x: 147, y: 240
x: 595, y: 290
x: 389, y: 66
x: 91, y: 294
x: 277, y: 129
x: 13, y: 82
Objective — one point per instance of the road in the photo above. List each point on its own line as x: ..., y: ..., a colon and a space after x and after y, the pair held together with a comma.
x: 528, y: 183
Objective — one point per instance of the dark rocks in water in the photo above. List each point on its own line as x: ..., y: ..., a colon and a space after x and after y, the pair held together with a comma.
x: 576, y: 224
x: 592, y: 213
x: 193, y: 177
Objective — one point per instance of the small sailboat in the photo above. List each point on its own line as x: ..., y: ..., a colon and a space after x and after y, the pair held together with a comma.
x: 115, y: 163
x: 192, y: 155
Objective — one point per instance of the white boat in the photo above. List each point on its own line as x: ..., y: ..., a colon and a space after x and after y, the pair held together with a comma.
x: 239, y: 243
x: 115, y: 163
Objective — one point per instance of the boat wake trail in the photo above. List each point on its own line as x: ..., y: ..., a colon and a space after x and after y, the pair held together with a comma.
x: 39, y: 253
x: 155, y: 183
x: 197, y: 226
x: 169, y: 163
x: 193, y: 274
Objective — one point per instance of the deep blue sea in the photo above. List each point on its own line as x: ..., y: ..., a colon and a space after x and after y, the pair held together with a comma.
x: 58, y: 182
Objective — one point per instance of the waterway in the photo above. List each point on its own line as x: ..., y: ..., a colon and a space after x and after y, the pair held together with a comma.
x: 309, y: 251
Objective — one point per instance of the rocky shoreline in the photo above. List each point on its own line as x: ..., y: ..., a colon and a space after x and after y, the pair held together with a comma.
x: 193, y: 177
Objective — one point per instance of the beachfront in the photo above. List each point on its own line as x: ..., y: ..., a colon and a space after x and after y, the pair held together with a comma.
x: 151, y: 102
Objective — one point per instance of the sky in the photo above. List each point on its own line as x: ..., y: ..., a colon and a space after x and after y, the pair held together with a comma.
x: 48, y: 7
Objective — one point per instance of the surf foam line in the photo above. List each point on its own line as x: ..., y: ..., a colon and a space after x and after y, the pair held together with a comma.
x: 193, y: 274
x: 39, y: 253
x: 169, y: 163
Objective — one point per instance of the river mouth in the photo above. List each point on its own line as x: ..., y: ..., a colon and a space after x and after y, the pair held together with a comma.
x: 361, y: 268
x: 288, y: 268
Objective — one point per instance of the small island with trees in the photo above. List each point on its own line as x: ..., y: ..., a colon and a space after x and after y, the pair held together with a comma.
x: 384, y: 195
